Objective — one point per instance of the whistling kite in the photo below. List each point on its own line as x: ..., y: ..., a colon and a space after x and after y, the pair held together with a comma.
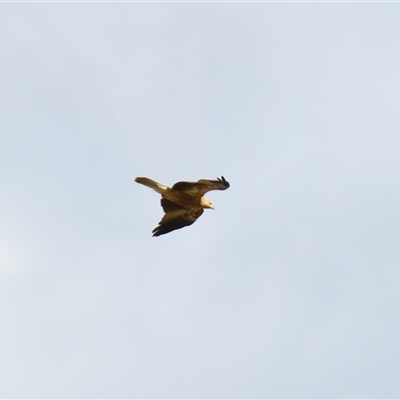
x: 184, y: 202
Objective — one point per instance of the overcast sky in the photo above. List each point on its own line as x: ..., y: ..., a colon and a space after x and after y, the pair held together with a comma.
x: 290, y: 288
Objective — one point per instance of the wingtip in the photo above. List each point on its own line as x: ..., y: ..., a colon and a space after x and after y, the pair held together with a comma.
x: 223, y: 181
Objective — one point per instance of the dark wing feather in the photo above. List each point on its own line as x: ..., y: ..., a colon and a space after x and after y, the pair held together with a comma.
x: 169, y: 206
x: 223, y: 181
x: 202, y: 186
x: 184, y: 185
x: 170, y: 224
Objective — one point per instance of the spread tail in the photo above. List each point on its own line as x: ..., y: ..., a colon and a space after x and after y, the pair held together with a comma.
x: 152, y: 184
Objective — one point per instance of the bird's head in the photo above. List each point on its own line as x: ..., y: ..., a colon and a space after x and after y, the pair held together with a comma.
x: 205, y: 203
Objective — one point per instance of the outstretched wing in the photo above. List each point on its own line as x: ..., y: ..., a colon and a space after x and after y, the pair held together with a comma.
x: 176, y: 217
x: 202, y: 186
x: 169, y: 205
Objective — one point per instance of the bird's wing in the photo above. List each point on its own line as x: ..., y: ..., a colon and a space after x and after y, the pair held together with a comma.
x: 202, y: 186
x: 169, y: 205
x: 177, y: 219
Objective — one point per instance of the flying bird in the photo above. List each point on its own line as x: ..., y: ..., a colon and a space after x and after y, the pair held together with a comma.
x: 184, y: 202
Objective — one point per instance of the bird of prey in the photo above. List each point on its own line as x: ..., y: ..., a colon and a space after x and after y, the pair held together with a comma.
x: 184, y: 202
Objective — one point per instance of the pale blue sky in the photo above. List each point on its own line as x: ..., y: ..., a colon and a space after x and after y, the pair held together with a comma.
x: 290, y: 288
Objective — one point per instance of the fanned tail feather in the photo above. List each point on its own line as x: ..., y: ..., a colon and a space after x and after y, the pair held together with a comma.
x: 151, y: 184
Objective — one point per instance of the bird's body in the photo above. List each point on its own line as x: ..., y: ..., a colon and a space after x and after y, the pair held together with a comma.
x: 184, y: 202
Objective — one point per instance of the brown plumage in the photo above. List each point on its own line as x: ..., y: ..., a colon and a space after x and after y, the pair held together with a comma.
x: 184, y: 202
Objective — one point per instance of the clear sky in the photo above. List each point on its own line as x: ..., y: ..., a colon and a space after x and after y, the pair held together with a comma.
x: 290, y: 288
